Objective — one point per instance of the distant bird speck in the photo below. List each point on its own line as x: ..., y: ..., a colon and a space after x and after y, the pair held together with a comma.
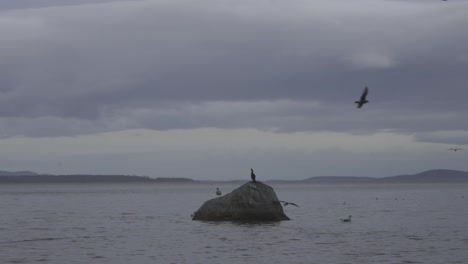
x: 346, y: 220
x: 252, y: 175
x: 362, y: 100
x: 218, y: 192
x: 455, y: 149
x: 286, y: 203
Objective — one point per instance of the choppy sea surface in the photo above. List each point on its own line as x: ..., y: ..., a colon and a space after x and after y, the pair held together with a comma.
x: 151, y: 223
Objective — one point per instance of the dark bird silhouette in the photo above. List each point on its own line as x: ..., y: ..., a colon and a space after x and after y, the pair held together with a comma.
x: 218, y: 192
x: 252, y: 175
x: 362, y: 100
x: 286, y: 203
x: 455, y: 149
x: 346, y: 220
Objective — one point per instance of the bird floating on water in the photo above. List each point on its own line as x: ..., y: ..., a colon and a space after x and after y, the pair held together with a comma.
x: 286, y: 203
x: 362, y: 100
x: 455, y: 149
x: 347, y: 220
x: 252, y: 175
x: 218, y: 192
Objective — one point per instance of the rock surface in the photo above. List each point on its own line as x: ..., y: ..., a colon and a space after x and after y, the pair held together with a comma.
x: 250, y: 202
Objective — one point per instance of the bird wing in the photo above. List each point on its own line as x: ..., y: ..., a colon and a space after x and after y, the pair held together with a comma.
x: 286, y: 203
x: 364, y: 94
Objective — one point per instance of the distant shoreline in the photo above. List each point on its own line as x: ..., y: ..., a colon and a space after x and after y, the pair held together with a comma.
x: 89, y: 179
x: 432, y: 176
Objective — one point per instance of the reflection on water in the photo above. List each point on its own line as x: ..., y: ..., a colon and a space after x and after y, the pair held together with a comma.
x: 151, y: 224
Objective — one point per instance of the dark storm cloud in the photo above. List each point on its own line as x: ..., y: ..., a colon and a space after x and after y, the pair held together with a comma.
x: 177, y: 64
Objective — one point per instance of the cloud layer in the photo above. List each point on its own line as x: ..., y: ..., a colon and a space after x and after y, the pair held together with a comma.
x: 166, y: 60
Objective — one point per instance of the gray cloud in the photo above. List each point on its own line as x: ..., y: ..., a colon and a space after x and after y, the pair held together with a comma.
x: 31, y: 4
x: 456, y: 137
x: 280, y: 66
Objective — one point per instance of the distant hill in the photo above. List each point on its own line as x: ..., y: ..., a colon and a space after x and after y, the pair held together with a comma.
x: 162, y: 179
x: 430, y: 176
x: 339, y: 179
x: 17, y: 173
x: 87, y: 179
x: 427, y: 176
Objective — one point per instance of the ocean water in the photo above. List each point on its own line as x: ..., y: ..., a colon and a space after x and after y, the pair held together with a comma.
x: 151, y: 223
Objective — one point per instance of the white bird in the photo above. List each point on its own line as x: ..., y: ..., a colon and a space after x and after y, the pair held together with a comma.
x: 218, y: 192
x: 347, y: 220
x: 362, y: 100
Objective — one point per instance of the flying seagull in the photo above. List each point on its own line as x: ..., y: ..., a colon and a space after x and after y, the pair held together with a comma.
x: 218, y: 192
x: 455, y: 149
x: 286, y: 203
x: 346, y: 220
x: 252, y: 175
x: 363, y: 100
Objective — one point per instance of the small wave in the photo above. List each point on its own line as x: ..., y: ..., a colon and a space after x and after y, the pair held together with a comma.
x: 40, y: 228
x: 414, y: 237
x: 36, y: 240
x: 73, y: 239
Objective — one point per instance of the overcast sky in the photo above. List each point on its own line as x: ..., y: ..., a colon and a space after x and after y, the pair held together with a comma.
x: 209, y: 89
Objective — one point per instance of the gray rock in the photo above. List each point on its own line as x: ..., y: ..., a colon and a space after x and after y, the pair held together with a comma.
x: 250, y: 202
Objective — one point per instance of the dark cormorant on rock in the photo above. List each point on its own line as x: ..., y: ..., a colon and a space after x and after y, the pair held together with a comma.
x: 362, y: 100
x: 252, y: 175
x: 218, y: 192
x: 286, y: 203
x: 347, y: 220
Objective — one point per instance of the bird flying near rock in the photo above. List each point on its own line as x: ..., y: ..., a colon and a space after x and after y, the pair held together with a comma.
x: 286, y: 203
